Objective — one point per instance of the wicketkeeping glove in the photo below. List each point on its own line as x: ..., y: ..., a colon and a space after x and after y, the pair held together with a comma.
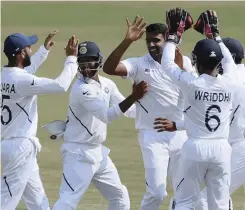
x: 178, y: 21
x: 207, y: 24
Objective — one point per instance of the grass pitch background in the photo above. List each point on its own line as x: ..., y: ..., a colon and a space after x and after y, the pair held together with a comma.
x: 104, y: 23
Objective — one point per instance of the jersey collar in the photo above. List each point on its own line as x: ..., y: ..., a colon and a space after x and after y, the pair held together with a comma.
x: 89, y: 81
x: 150, y: 59
x: 240, y: 66
x: 12, y: 68
x: 208, y: 77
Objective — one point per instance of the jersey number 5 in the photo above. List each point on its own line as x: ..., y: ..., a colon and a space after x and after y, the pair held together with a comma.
x: 5, y: 108
x: 214, y: 117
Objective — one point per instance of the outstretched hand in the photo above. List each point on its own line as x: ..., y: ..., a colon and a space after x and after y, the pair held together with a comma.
x: 207, y: 24
x: 135, y: 29
x: 72, y: 46
x: 48, y: 43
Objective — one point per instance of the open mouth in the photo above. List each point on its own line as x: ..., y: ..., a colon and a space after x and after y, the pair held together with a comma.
x: 153, y: 49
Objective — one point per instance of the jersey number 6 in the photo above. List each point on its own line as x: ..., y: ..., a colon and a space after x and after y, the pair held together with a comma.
x: 215, y: 117
x: 6, y: 109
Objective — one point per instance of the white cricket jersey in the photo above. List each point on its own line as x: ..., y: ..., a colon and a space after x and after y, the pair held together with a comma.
x: 164, y: 98
x: 19, y: 89
x: 92, y: 105
x: 208, y: 99
x: 237, y: 124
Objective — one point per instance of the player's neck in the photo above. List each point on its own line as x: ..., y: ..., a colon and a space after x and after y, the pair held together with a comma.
x: 96, y: 78
x: 212, y: 73
x: 15, y: 65
x: 158, y: 58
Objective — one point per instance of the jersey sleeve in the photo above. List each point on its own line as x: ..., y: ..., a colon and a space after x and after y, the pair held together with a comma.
x: 33, y: 85
x: 117, y: 97
x: 227, y: 62
x: 97, y: 106
x: 187, y: 64
x: 37, y: 60
x: 180, y: 125
x: 179, y: 77
x: 132, y: 68
x: 228, y: 65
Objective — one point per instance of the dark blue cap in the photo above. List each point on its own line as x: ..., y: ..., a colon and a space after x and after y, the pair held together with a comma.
x: 88, y: 49
x: 208, y: 50
x: 16, y: 42
x: 235, y: 47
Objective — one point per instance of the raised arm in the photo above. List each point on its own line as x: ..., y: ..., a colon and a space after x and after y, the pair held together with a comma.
x: 207, y: 24
x: 227, y: 62
x: 112, y: 65
x: 32, y: 85
x: 41, y: 55
x: 173, y: 18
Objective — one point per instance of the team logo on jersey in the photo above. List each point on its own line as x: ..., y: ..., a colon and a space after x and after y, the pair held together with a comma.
x: 83, y: 50
x: 212, y: 55
x: 147, y: 70
x: 106, y: 90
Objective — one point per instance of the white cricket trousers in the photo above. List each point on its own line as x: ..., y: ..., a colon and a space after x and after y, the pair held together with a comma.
x: 20, y: 176
x: 204, y: 160
x: 161, y: 153
x: 79, y: 172
x: 237, y: 173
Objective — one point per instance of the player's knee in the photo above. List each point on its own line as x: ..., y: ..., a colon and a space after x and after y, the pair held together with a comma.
x: 38, y: 203
x: 202, y: 204
x: 120, y: 199
x: 159, y: 193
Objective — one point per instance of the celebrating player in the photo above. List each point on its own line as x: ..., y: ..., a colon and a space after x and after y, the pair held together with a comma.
x: 85, y: 159
x: 237, y: 126
x: 160, y: 151
x: 206, y: 154
x: 19, y: 145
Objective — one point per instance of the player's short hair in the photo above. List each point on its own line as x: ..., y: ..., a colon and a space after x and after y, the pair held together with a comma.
x: 238, y: 60
x: 12, y: 59
x: 158, y: 28
x: 209, y: 64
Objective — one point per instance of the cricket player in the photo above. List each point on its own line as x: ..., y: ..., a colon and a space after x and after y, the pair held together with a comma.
x: 94, y: 102
x: 237, y: 126
x: 160, y: 151
x: 19, y: 144
x: 206, y: 154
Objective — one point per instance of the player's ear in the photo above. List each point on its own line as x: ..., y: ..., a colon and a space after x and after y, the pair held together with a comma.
x: 23, y: 53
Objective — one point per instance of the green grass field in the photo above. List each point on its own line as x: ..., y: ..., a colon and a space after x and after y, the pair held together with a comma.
x: 105, y: 24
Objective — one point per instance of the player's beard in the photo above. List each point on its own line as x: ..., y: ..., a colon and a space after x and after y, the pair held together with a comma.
x: 27, y: 61
x: 155, y: 53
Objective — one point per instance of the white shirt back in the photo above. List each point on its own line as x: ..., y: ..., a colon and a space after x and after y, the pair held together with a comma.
x: 19, y: 90
x: 19, y: 111
x: 164, y: 97
x: 208, y: 99
x: 88, y: 111
x: 237, y: 124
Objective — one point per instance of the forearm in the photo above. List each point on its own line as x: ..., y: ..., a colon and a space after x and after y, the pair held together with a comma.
x: 127, y: 103
x: 114, y: 58
x: 168, y: 64
x: 225, y: 51
x: 37, y: 60
x: 46, y: 86
x: 68, y: 74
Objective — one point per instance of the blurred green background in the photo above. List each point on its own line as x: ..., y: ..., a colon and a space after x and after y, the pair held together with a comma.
x: 104, y: 23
